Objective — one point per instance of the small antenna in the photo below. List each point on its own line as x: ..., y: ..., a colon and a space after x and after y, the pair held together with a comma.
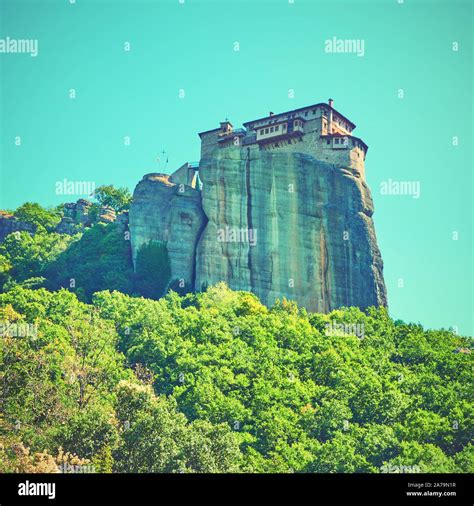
x: 161, y: 160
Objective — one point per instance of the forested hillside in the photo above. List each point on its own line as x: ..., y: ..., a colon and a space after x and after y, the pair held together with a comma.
x: 217, y: 382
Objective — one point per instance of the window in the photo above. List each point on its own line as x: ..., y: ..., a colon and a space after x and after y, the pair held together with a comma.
x: 266, y: 130
x: 262, y: 132
x: 277, y: 128
x: 306, y: 113
x: 328, y: 141
x: 314, y: 111
x: 271, y: 129
x: 284, y: 126
x: 337, y: 141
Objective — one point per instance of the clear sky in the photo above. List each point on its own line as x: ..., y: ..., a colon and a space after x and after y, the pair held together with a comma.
x: 189, y: 49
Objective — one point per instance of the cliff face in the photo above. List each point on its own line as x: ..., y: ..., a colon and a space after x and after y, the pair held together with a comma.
x: 277, y: 223
x: 314, y: 237
x: 172, y: 214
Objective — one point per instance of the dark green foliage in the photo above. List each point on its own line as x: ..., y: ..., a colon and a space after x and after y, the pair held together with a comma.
x: 88, y: 432
x: 153, y: 270
x: 23, y: 256
x: 180, y: 287
x: 97, y: 260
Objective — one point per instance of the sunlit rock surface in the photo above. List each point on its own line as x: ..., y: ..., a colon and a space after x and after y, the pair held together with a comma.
x: 172, y: 214
x: 313, y: 235
x: 279, y: 224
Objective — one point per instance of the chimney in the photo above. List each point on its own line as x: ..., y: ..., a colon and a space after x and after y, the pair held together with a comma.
x: 330, y: 102
x: 226, y: 126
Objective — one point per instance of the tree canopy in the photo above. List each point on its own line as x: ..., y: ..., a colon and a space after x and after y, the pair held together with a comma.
x: 217, y: 382
x: 40, y: 217
x: 118, y: 199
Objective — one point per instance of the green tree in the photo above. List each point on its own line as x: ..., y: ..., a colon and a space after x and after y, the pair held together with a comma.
x: 153, y: 270
x: 91, y: 433
x: 34, y: 214
x: 422, y: 458
x: 25, y: 256
x: 118, y: 199
x: 157, y: 438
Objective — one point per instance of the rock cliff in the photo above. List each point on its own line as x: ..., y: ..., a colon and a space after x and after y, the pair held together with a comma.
x: 172, y: 214
x: 315, y: 239
x: 277, y: 223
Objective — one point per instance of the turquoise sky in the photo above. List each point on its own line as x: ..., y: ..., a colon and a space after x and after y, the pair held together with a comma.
x: 191, y: 47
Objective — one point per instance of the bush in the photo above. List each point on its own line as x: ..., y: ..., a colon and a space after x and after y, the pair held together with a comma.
x: 153, y: 270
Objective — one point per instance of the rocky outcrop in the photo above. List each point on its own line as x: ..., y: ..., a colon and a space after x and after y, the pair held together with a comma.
x: 277, y: 223
x: 106, y: 214
x: 311, y: 225
x: 122, y: 221
x: 171, y: 214
x: 76, y: 215
x: 10, y: 224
